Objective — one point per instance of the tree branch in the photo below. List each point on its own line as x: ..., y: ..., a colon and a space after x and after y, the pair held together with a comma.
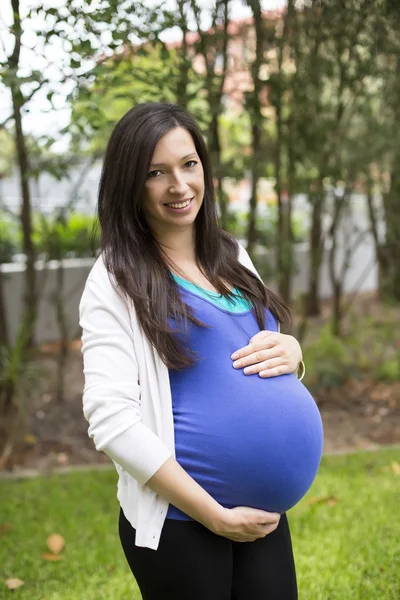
x: 4, y: 123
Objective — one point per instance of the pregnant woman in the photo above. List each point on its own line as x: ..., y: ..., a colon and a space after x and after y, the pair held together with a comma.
x: 189, y: 384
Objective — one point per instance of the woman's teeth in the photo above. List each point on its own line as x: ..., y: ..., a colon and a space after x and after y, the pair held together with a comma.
x: 181, y: 205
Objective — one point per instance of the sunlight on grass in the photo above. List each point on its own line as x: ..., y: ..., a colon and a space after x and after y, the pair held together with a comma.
x: 348, y: 548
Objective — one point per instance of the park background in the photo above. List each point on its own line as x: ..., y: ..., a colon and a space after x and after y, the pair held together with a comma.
x: 299, y: 102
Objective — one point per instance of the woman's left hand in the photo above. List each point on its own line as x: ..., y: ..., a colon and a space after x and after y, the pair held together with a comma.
x: 269, y: 354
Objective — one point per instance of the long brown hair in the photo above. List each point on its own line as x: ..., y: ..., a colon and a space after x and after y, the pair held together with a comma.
x: 133, y: 256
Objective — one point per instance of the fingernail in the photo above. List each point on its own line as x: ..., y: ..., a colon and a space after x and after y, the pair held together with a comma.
x: 234, y: 356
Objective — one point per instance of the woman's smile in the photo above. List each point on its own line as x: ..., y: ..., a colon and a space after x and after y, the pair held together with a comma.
x: 180, y: 207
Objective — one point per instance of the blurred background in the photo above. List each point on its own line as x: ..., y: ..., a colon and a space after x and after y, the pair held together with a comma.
x: 299, y: 101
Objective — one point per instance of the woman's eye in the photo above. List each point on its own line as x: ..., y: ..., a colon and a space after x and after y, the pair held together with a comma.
x: 190, y: 164
x: 152, y: 174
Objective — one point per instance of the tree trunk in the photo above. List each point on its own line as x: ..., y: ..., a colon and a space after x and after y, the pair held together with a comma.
x: 379, y: 247
x: 287, y: 250
x: 316, y: 252
x: 336, y: 322
x: 222, y: 202
x: 30, y: 293
x: 181, y: 90
x: 336, y: 280
x: 390, y: 251
x: 215, y: 153
x: 256, y: 117
x: 63, y: 329
x: 209, y: 47
x: 280, y: 236
x: 4, y: 335
x: 252, y: 229
x: 283, y: 241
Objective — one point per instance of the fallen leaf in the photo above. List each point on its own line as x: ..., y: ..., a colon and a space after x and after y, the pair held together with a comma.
x: 13, y: 583
x: 110, y: 568
x: 4, y: 527
x: 52, y: 557
x: 330, y: 500
x: 62, y: 458
x: 395, y: 468
x: 55, y: 543
x: 312, y: 500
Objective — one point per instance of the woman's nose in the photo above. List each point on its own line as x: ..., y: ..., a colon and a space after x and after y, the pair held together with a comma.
x: 178, y: 184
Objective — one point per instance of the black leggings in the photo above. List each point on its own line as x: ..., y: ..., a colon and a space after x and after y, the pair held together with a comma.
x: 192, y: 563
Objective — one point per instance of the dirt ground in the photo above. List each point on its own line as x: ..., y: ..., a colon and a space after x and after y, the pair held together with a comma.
x: 361, y: 414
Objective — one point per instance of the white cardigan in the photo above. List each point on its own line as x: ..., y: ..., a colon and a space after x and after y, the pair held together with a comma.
x: 127, y: 398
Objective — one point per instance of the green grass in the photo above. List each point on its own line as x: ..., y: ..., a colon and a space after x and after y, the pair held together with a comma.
x: 347, y: 551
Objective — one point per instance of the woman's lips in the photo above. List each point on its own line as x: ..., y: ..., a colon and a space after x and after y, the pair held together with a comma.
x: 180, y: 210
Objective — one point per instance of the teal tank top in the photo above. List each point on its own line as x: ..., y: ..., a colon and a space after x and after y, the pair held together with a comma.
x: 239, y: 304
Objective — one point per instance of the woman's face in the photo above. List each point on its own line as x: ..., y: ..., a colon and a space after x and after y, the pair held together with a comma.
x: 174, y: 188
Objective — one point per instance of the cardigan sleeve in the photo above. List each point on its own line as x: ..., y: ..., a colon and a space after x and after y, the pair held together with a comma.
x: 112, y: 396
x: 245, y: 259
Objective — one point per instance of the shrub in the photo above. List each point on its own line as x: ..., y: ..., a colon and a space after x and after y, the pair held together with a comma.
x: 389, y: 370
x: 327, y: 360
x: 369, y: 349
x: 68, y: 238
x: 54, y: 238
x: 9, y: 242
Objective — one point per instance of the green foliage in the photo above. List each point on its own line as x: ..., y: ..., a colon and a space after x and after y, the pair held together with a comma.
x: 20, y: 379
x: 328, y: 360
x: 148, y: 74
x: 368, y: 348
x: 9, y: 240
x: 7, y: 153
x: 389, y: 370
x: 18, y: 370
x: 65, y: 237
x: 68, y: 237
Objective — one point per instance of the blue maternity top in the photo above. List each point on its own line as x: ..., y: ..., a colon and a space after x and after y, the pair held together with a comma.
x: 246, y: 440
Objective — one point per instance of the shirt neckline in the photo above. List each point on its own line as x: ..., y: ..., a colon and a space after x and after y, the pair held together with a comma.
x: 211, y: 292
x: 224, y: 310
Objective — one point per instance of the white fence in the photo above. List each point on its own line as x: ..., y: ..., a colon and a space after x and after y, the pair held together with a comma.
x: 362, y: 275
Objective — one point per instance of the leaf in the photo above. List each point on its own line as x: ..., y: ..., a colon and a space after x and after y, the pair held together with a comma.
x: 395, y: 468
x: 62, y: 458
x: 312, y: 500
x: 52, y: 557
x: 29, y: 438
x: 109, y: 568
x: 330, y: 500
x: 13, y: 583
x: 5, y: 527
x: 55, y: 543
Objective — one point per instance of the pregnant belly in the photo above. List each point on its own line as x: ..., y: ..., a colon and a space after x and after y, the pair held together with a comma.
x: 258, y: 443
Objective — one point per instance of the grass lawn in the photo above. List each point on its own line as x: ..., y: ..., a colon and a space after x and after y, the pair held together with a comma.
x: 346, y: 534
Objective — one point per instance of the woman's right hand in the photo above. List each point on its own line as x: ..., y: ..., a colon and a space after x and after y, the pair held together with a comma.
x: 239, y: 524
x: 245, y: 524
